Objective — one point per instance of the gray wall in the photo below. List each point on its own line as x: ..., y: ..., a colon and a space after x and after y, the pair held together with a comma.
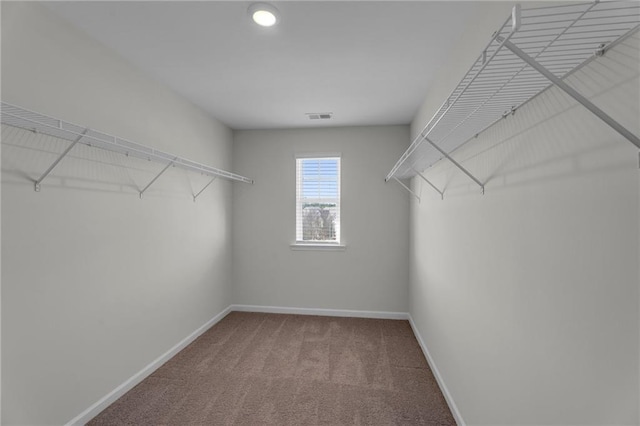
x: 372, y: 273
x: 527, y: 297
x: 97, y: 283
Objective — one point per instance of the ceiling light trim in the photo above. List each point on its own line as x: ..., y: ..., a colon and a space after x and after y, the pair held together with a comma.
x: 264, y: 14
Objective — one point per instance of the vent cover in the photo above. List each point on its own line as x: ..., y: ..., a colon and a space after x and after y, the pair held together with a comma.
x: 319, y: 115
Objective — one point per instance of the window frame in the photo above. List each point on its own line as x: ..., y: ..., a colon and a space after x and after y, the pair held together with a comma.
x: 299, y: 243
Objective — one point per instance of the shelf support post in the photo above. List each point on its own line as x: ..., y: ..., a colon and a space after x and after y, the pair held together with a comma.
x: 157, y: 176
x: 574, y: 94
x: 202, y: 190
x: 407, y: 188
x: 455, y: 163
x: 431, y: 185
x: 36, y: 185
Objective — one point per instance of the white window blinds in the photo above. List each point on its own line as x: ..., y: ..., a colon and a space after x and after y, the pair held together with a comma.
x: 318, y: 200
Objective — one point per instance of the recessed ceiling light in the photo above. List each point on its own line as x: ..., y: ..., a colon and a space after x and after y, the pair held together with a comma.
x: 264, y: 14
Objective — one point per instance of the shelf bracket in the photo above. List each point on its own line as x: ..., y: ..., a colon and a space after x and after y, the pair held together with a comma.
x: 455, y: 163
x: 36, y: 185
x: 430, y: 184
x: 407, y: 188
x: 202, y: 190
x: 574, y: 94
x: 157, y: 176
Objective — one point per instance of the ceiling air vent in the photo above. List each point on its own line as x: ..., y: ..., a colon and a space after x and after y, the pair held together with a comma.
x: 319, y: 115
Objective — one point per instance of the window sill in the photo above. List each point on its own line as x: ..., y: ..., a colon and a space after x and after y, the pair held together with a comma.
x: 318, y: 247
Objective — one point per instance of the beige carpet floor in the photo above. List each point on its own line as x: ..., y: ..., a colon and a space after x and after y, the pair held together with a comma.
x: 270, y: 369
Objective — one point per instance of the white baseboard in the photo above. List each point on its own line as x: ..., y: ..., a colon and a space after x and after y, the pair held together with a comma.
x: 109, y: 398
x: 445, y: 391
x: 321, y: 312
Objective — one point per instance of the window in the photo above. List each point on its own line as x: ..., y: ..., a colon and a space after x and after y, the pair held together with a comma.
x: 318, y: 200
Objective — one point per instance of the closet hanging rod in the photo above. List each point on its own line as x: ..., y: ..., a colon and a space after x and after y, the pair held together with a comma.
x: 528, y: 54
x: 447, y: 104
x: 16, y: 116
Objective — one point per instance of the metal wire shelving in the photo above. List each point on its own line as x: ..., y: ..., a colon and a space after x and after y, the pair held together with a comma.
x: 534, y: 49
x: 22, y: 118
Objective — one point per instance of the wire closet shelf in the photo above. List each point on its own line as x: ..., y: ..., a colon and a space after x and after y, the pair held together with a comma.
x: 15, y: 116
x: 534, y: 49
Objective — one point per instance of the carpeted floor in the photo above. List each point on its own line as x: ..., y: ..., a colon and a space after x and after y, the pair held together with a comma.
x: 269, y: 369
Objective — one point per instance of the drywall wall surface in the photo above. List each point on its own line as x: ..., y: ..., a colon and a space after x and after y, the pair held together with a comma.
x: 96, y: 282
x: 372, y: 273
x: 527, y: 296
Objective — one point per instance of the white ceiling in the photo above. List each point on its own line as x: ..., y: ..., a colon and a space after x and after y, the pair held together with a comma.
x: 369, y: 63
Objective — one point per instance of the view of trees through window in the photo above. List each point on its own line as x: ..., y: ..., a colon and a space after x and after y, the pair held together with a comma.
x: 318, y: 222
